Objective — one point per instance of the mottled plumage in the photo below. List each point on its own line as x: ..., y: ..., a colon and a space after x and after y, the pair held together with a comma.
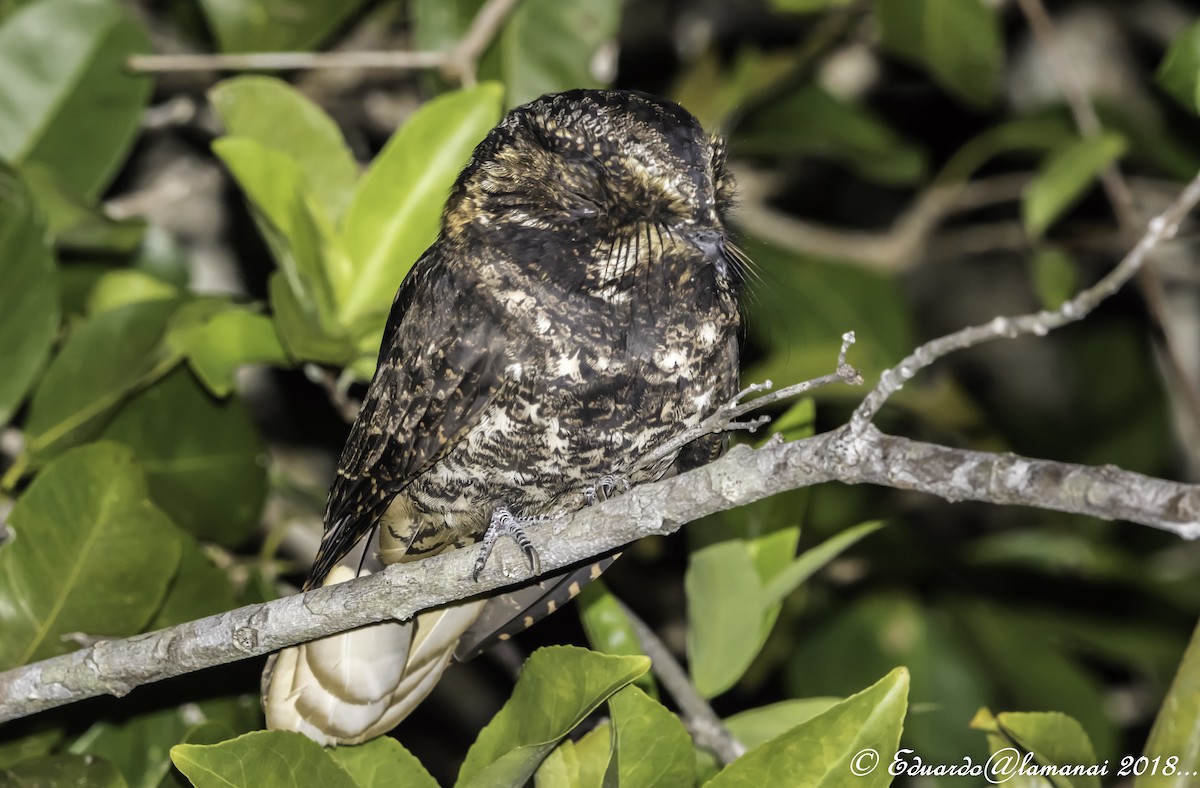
x: 578, y: 310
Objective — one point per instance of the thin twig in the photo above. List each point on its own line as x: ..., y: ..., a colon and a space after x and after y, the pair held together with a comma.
x: 707, y: 729
x: 725, y: 418
x: 458, y: 61
x: 1160, y: 228
x: 1118, y: 192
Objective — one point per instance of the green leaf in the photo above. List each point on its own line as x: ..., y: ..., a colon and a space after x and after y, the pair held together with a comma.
x: 1030, y: 665
x: 811, y: 561
x: 383, y: 762
x: 190, y: 445
x: 395, y: 214
x: 609, y: 630
x: 64, y: 71
x: 1035, y: 134
x: 266, y: 758
x: 558, y: 687
x: 821, y: 751
x: 1054, y: 739
x: 1062, y: 180
x: 716, y: 93
x: 811, y: 121
x: 1054, y: 277
x: 549, y: 46
x: 276, y: 25
x: 1179, y: 73
x: 274, y: 184
x: 806, y: 6
x: 199, y: 589
x: 29, y: 302
x: 103, y: 360
x: 78, y: 224
x: 959, y: 41
x: 84, y: 531
x: 1176, y: 730
x: 27, y: 739
x: 756, y: 726
x: 64, y: 770
x: 725, y: 611
x: 300, y: 334
x: 257, y: 107
x: 652, y: 747
x: 125, y: 286
x: 139, y: 746
x: 884, y: 630
x: 220, y: 337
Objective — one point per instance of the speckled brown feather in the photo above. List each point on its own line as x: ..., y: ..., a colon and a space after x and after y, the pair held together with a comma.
x: 576, y: 312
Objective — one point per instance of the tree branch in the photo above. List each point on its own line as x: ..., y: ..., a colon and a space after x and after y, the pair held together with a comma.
x: 1119, y: 195
x: 1160, y: 228
x: 706, y: 728
x: 457, y: 62
x: 742, y: 476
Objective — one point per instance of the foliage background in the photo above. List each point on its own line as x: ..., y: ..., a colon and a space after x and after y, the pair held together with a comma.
x: 194, y: 272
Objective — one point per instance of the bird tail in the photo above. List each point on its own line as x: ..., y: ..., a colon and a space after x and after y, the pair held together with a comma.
x: 356, y: 685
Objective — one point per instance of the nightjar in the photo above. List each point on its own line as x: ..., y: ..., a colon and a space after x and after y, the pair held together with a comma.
x: 578, y: 310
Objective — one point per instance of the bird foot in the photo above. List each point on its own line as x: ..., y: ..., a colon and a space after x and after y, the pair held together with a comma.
x: 605, y: 487
x: 505, y: 523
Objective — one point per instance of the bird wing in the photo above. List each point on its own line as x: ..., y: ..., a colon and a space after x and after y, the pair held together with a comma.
x: 434, y: 378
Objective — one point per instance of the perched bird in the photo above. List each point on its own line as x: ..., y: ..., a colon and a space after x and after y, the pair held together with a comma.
x: 578, y: 310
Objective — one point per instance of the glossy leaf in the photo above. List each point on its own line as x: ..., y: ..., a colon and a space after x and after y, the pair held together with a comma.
x: 275, y: 25
x: 200, y: 588
x: 24, y: 740
x: 558, y: 687
x: 820, y: 752
x: 64, y: 70
x: 29, y: 301
x: 139, y: 746
x: 806, y: 6
x: 882, y: 631
x: 396, y: 210
x: 64, y: 770
x: 103, y: 360
x: 811, y: 121
x: 725, y: 608
x: 652, y: 747
x: 1176, y: 730
x: 1054, y: 276
x: 1064, y: 178
x: 548, y: 46
x: 1179, y: 73
x: 1053, y: 738
x: 1032, y: 667
x: 257, y: 108
x: 755, y: 726
x: 298, y: 331
x: 190, y: 445
x: 217, y: 338
x: 78, y: 224
x: 268, y: 758
x: 609, y: 630
x: 958, y: 41
x: 84, y: 528
x: 381, y: 763
x: 125, y: 286
x: 811, y: 561
x: 274, y: 184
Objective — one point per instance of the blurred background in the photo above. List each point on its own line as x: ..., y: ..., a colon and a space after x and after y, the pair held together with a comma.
x: 906, y: 168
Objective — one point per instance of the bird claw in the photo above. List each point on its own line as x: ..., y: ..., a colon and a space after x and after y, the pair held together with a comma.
x: 504, y: 523
x: 604, y: 488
